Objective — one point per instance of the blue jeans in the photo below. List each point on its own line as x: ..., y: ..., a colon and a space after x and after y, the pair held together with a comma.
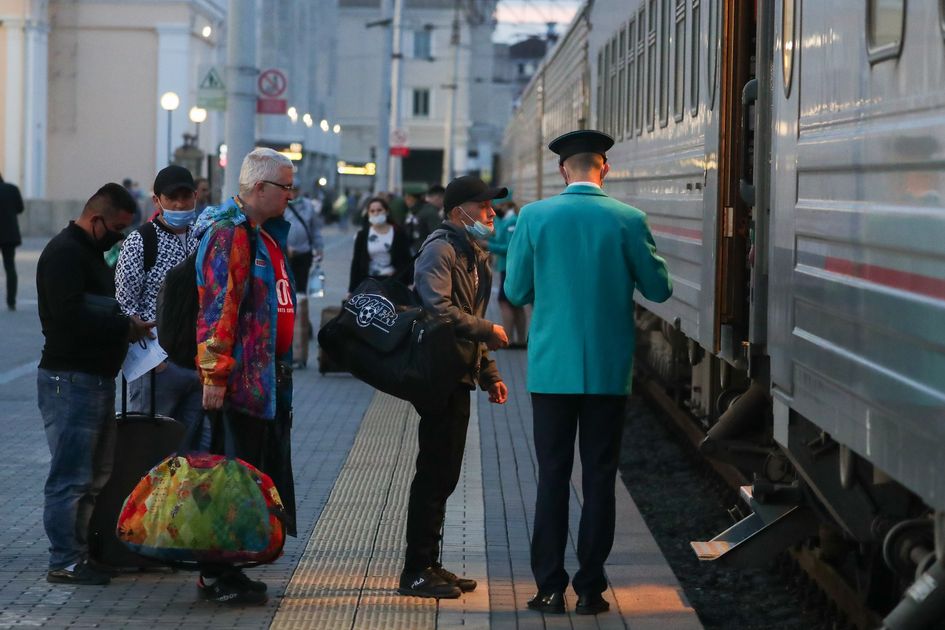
x: 78, y: 411
x: 178, y: 394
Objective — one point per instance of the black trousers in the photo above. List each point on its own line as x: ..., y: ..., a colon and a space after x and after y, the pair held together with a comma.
x: 301, y: 264
x: 598, y: 423
x: 442, y: 440
x: 9, y: 266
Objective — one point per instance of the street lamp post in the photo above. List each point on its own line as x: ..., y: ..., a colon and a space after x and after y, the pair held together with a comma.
x: 169, y: 102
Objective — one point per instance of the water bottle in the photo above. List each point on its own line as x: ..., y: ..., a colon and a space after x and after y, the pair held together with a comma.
x: 316, y: 282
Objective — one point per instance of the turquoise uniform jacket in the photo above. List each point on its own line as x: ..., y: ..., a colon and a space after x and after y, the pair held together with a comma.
x: 578, y: 258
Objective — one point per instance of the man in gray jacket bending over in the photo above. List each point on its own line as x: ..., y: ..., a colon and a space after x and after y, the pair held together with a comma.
x: 453, y: 279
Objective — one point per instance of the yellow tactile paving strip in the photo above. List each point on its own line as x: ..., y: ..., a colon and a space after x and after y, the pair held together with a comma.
x: 348, y: 574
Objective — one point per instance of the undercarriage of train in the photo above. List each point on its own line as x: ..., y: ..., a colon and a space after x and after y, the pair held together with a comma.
x: 870, y: 544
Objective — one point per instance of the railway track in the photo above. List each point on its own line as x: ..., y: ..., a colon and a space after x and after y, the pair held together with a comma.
x: 820, y: 583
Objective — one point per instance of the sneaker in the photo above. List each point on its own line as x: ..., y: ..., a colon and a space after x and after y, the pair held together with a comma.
x: 240, y: 579
x: 81, y: 573
x: 227, y: 591
x: 465, y: 584
x: 427, y: 583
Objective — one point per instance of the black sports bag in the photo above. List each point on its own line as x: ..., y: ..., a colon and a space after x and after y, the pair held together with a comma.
x: 384, y: 337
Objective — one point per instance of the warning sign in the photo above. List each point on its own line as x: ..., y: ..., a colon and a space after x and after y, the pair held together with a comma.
x: 211, y: 90
x: 271, y: 86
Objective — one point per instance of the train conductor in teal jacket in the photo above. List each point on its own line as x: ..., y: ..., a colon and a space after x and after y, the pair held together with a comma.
x: 578, y: 258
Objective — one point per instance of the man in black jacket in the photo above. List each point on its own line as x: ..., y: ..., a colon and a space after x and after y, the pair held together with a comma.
x: 11, y: 204
x: 453, y: 279
x: 86, y: 340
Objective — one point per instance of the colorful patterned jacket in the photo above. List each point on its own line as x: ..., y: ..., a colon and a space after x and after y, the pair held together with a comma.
x: 236, y: 328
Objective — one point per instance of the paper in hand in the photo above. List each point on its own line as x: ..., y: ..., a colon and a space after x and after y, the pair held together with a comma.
x: 143, y: 356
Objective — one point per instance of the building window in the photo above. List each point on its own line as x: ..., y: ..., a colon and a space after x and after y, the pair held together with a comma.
x: 422, y: 44
x: 695, y: 44
x: 679, y: 44
x: 631, y: 74
x: 885, y: 21
x: 651, y: 64
x: 421, y: 103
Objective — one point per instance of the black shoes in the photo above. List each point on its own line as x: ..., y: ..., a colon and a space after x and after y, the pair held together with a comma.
x: 548, y: 603
x: 81, y: 573
x: 233, y: 588
x: 553, y: 603
x: 591, y: 604
x: 465, y: 584
x: 428, y: 583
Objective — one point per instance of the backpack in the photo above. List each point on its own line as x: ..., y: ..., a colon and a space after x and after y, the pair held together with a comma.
x: 178, y: 304
x: 203, y: 508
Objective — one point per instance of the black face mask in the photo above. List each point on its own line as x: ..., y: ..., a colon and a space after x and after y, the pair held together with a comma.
x: 111, y: 237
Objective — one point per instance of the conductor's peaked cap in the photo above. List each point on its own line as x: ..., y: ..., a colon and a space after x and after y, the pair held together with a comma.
x: 581, y: 141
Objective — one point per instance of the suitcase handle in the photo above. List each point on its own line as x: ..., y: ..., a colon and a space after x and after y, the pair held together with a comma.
x: 124, y: 395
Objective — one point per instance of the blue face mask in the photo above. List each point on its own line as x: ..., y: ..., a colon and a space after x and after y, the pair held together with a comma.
x: 179, y: 218
x: 477, y: 229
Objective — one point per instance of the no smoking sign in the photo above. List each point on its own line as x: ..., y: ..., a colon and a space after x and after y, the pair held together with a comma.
x: 271, y: 86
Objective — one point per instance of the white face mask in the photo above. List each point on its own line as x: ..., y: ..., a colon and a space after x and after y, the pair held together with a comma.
x: 377, y: 219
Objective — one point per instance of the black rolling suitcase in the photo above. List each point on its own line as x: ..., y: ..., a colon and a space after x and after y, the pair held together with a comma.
x: 142, y: 442
x: 325, y: 364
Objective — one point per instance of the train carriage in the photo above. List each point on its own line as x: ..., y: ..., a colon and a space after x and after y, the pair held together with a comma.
x: 789, y: 155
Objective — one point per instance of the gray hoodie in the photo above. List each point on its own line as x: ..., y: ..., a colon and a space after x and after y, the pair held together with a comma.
x: 445, y: 276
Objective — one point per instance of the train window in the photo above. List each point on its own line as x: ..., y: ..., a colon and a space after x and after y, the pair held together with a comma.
x: 641, y: 64
x: 665, y: 29
x: 614, y: 95
x: 787, y: 44
x: 600, y: 90
x: 885, y: 21
x: 631, y: 74
x: 712, y: 52
x: 679, y: 86
x: 695, y: 45
x: 621, y: 80
x: 650, y: 64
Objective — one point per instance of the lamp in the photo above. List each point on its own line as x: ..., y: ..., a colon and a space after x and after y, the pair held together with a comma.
x: 169, y: 102
x: 197, y: 116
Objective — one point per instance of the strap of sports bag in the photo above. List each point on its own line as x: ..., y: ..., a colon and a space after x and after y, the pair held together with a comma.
x: 308, y: 232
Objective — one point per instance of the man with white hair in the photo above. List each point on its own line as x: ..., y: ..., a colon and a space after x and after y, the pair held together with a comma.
x: 245, y: 293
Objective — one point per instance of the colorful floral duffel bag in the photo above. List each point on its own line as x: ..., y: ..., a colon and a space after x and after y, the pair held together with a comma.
x: 202, y: 508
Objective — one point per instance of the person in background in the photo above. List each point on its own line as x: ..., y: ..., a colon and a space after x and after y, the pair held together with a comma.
x: 434, y: 197
x: 87, y: 338
x: 202, y: 193
x: 422, y: 218
x: 146, y: 256
x: 381, y: 249
x: 583, y: 319
x: 305, y: 243
x: 133, y: 188
x: 515, y: 319
x: 244, y: 346
x: 11, y: 204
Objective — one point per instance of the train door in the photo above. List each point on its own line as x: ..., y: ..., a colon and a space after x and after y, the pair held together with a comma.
x: 735, y: 156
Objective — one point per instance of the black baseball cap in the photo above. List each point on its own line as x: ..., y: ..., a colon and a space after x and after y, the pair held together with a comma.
x: 173, y: 178
x: 469, y: 188
x: 581, y: 141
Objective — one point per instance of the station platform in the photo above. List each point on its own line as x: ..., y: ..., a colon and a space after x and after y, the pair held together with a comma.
x: 353, y: 455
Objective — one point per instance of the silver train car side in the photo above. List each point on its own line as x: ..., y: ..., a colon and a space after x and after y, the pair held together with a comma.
x: 790, y: 155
